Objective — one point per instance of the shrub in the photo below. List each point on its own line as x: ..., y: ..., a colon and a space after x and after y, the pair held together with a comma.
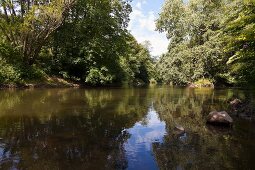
x: 8, y: 73
x: 32, y: 73
x: 204, y: 83
x: 153, y: 81
x: 99, y: 76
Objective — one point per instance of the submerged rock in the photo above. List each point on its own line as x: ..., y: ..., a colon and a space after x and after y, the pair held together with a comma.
x: 243, y: 109
x: 219, y: 118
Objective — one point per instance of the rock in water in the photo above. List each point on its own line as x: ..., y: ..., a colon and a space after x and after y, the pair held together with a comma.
x: 236, y: 104
x: 179, y: 128
x: 220, y: 118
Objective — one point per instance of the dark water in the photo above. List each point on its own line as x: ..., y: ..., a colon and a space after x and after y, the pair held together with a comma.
x: 122, y: 129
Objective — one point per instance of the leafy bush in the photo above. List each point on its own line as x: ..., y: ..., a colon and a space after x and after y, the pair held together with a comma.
x: 32, y: 73
x: 8, y: 73
x: 99, y: 76
x: 204, y: 83
x: 153, y: 81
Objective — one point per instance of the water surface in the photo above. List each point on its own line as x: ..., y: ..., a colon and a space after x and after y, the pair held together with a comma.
x: 130, y: 128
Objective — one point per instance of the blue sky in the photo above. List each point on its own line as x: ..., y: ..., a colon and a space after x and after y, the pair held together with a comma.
x: 142, y: 24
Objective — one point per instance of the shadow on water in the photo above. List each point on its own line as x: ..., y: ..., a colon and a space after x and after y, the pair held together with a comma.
x: 121, y: 129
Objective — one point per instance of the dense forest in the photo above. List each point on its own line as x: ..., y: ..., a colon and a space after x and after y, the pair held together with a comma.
x: 81, y: 40
x: 87, y: 41
x: 212, y: 39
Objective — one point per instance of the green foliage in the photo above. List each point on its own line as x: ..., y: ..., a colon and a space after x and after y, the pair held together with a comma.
x: 86, y: 41
x: 240, y: 38
x: 137, y: 63
x: 99, y: 77
x: 85, y: 44
x: 13, y: 70
x: 195, y: 47
x: 153, y: 81
x: 27, y: 25
x: 208, y: 39
x: 29, y: 73
x: 8, y: 73
x: 181, y: 66
x: 204, y: 83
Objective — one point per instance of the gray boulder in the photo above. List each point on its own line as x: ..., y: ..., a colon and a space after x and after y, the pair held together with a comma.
x: 219, y: 118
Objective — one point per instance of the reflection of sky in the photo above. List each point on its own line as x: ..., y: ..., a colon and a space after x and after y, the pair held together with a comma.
x: 139, y: 146
x: 7, y: 157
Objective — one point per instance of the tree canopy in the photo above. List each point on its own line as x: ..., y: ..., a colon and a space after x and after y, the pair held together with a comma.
x: 208, y: 39
x: 87, y: 41
x: 80, y: 40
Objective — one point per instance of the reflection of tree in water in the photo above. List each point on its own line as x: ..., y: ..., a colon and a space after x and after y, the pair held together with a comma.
x: 83, y: 129
x: 62, y: 129
x: 201, y: 147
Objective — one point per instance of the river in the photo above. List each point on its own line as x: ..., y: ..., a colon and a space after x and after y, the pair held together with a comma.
x: 122, y: 128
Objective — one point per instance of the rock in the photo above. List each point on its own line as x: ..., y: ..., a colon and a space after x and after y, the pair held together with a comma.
x: 201, y: 84
x: 178, y: 130
x: 236, y: 104
x: 192, y: 85
x: 219, y: 118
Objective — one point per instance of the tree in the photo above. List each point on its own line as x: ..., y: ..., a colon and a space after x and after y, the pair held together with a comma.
x: 240, y: 39
x: 91, y: 41
x: 27, y: 25
x: 137, y: 63
x: 194, y: 31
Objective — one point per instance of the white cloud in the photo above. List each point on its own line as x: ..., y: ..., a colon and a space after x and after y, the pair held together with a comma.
x: 139, y: 5
x: 148, y: 22
x: 142, y: 26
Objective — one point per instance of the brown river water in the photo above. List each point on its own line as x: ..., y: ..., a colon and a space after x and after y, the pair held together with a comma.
x: 122, y: 128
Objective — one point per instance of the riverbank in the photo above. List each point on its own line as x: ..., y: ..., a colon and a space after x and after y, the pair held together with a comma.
x: 57, y: 82
x: 50, y: 82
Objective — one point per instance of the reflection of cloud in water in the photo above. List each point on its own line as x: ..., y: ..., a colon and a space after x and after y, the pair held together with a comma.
x: 6, y: 157
x: 139, y: 146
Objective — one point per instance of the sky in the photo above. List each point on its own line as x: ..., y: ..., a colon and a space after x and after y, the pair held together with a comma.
x: 142, y: 24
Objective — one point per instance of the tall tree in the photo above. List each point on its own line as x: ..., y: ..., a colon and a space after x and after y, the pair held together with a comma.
x: 27, y: 24
x: 91, y: 41
x: 240, y: 37
x: 195, y: 47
